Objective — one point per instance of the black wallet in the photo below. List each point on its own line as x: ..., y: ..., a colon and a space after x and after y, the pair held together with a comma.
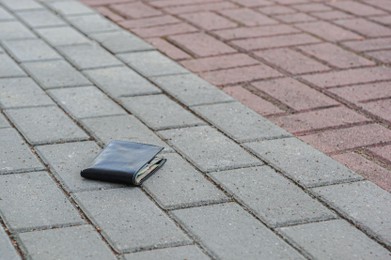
x: 125, y: 162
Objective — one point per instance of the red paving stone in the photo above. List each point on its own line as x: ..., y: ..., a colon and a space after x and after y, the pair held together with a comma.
x: 383, y: 152
x: 344, y: 46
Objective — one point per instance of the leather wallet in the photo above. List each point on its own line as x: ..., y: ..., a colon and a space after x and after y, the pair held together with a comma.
x: 124, y: 162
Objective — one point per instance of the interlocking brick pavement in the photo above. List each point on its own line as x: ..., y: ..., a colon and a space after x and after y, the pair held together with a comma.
x: 343, y: 46
x: 232, y: 176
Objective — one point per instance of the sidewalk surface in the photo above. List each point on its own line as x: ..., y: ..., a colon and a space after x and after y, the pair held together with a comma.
x: 313, y: 67
x: 235, y: 186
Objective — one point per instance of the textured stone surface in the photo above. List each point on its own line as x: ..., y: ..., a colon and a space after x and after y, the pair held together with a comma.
x: 174, y: 253
x: 31, y: 200
x: 121, y: 81
x: 288, y: 205
x: 335, y: 239
x: 8, y: 68
x: 5, y: 15
x: 364, y: 203
x: 80, y: 242
x: 301, y: 162
x: 3, y: 122
x: 69, y: 8
x: 58, y: 36
x: 84, y: 102
x: 31, y: 50
x: 40, y: 18
x: 15, y: 155
x: 224, y: 226
x: 6, y: 248
x: 45, y: 125
x: 191, y: 90
x: 67, y: 160
x: 239, y: 122
x: 12, y: 30
x: 51, y: 74
x: 125, y: 127
x: 22, y: 92
x: 89, y: 56
x: 151, y: 63
x: 21, y: 5
x: 208, y: 149
x: 178, y: 184
x: 130, y: 220
x: 92, y: 23
x: 159, y: 112
x: 120, y: 41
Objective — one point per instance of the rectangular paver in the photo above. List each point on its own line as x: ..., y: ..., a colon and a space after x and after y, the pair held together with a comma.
x: 84, y: 102
x: 41, y: 18
x: 336, y: 239
x: 31, y: 200
x: 92, y: 23
x: 69, y: 8
x: 22, y: 92
x: 121, y: 81
x: 208, y: 149
x: 6, y: 248
x: 12, y: 30
x: 121, y: 41
x: 67, y: 160
x: 364, y: 203
x: 89, y: 56
x: 271, y: 196
x: 123, y: 127
x: 151, y: 63
x: 191, y: 90
x: 15, y: 155
x: 73, y: 242
x: 181, y: 252
x: 240, y: 122
x: 45, y: 125
x: 58, y: 73
x: 8, y: 67
x: 5, y: 15
x: 178, y: 184
x: 159, y: 112
x: 223, y: 226
x: 21, y: 5
x: 65, y: 35
x: 31, y: 50
x: 130, y: 220
x: 301, y: 162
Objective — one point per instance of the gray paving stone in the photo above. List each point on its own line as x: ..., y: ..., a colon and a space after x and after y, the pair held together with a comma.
x: 121, y: 41
x: 70, y: 8
x: 60, y: 36
x: 130, y: 220
x: 15, y: 155
x: 6, y: 248
x: 335, y: 239
x: 82, y: 102
x: 89, y: 56
x: 366, y: 204
x: 240, y: 122
x: 30, y: 50
x: 13, y: 30
x: 208, y: 149
x: 121, y: 81
x: 272, y: 197
x: 32, y: 200
x: 22, y: 92
x: 92, y: 23
x: 67, y: 160
x: 302, y: 162
x: 58, y: 73
x: 152, y: 63
x: 191, y: 90
x: 41, y: 125
x: 5, y: 15
x: 125, y: 127
x: 8, y: 68
x: 178, y: 184
x: 21, y: 5
x: 81, y: 242
x: 159, y: 112
x: 173, y: 253
x: 3, y: 122
x: 228, y: 226
x: 40, y: 18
